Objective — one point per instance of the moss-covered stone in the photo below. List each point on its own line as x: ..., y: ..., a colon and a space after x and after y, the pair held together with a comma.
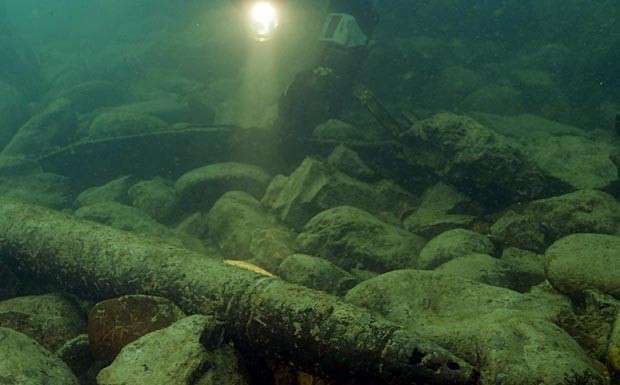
x: 353, y: 238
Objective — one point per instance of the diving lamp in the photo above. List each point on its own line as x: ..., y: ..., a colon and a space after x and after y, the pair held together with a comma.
x: 263, y: 20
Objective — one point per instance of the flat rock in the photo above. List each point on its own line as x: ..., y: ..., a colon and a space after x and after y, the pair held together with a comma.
x: 510, y: 336
x: 353, y: 238
x: 585, y: 261
x: 200, y: 188
x: 24, y: 361
x: 452, y: 244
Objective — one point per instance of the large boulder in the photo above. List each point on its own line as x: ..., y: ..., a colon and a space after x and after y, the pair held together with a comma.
x: 509, y: 336
x: 50, y: 319
x: 119, y: 123
x: 487, y: 166
x: 452, y: 244
x: 201, y: 187
x: 94, y: 94
x: 134, y: 220
x: 187, y: 352
x: 156, y: 197
x: 24, y: 361
x: 41, y: 188
x: 314, y: 187
x: 580, y: 262
x: 352, y: 238
x: 45, y: 132
x: 316, y: 273
x: 112, y: 191
x: 565, y: 152
x: 441, y: 208
x: 243, y: 229
x: 583, y: 211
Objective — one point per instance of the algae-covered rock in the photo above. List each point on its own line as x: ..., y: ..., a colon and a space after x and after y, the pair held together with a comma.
x: 353, y: 238
x: 452, y: 244
x: 335, y: 129
x: 156, y: 197
x: 486, y: 166
x: 478, y: 267
x: 241, y: 228
x: 585, y: 261
x: 518, y: 230
x: 314, y: 187
x: 45, y: 132
x: 50, y: 319
x: 41, y: 188
x: 316, y: 273
x: 565, y: 152
x: 187, y: 352
x: 510, y: 336
x: 112, y: 191
x: 94, y: 94
x: 119, y: 123
x: 200, y: 188
x: 583, y: 211
x: 9, y: 283
x: 17, y: 165
x: 24, y: 361
x: 441, y: 208
x: 170, y: 108
x: 136, y: 221
x: 349, y: 162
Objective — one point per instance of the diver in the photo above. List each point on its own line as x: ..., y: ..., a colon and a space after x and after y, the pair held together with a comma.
x: 318, y: 93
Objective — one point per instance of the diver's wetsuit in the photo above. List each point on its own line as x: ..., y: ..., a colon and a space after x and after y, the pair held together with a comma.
x: 317, y: 94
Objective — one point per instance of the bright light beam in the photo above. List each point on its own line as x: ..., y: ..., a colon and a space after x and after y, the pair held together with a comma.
x: 264, y: 20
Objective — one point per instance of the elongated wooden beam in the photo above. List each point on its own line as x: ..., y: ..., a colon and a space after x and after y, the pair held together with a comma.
x: 317, y: 332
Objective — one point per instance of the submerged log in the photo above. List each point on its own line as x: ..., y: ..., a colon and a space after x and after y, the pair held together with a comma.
x: 315, y: 331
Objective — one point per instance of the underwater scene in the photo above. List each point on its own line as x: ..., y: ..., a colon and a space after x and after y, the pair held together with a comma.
x: 309, y: 192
